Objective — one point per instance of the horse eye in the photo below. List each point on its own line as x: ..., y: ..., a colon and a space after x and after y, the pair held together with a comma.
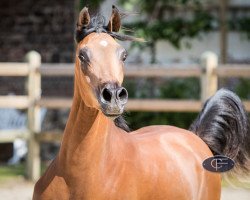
x: 124, y: 56
x: 83, y: 57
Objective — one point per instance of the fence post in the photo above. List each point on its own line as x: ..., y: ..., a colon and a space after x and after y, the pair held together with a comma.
x: 34, y: 122
x: 209, y: 79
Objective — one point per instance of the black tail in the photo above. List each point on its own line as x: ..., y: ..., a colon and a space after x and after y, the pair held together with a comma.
x: 224, y: 126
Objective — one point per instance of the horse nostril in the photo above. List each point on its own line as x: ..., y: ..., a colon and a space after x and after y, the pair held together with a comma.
x: 106, y: 95
x: 122, y: 94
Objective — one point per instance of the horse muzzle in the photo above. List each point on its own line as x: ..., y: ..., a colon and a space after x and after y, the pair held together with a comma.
x: 113, y: 99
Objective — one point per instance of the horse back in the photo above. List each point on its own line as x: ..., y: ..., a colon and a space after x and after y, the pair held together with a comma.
x: 170, y: 160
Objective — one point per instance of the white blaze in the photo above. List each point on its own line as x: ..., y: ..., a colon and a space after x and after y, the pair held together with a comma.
x: 104, y: 43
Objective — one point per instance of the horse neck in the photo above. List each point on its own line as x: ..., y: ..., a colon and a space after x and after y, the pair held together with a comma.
x: 87, y: 134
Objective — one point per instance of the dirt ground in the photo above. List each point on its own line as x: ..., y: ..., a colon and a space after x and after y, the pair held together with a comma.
x: 16, y: 189
x: 19, y: 189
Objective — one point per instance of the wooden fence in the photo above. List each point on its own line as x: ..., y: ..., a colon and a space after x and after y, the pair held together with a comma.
x: 208, y: 71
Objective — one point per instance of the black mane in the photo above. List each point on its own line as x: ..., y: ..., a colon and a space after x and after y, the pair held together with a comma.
x: 98, y: 25
x: 121, y: 123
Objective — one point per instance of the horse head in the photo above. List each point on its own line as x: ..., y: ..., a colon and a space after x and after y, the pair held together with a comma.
x: 100, y: 63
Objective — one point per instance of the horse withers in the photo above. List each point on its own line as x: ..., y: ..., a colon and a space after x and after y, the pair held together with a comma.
x: 98, y: 158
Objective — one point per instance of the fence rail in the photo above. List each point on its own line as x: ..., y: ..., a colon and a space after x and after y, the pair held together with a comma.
x: 11, y: 135
x: 208, y: 71
x: 14, y: 69
x: 227, y: 71
x: 12, y: 101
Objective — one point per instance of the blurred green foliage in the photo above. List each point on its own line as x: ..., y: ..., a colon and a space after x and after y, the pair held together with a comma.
x: 156, y: 25
x: 242, y: 88
x: 241, y: 24
x: 158, y: 20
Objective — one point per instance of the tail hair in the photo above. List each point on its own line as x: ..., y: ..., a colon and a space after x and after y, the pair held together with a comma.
x: 223, y: 125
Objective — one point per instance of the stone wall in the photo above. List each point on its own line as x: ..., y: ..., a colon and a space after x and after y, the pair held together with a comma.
x: 46, y: 26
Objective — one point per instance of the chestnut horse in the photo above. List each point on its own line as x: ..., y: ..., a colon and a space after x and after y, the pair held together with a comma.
x: 100, y: 160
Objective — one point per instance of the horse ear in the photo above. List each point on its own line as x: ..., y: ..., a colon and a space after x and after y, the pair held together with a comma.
x: 114, y: 21
x: 84, y: 19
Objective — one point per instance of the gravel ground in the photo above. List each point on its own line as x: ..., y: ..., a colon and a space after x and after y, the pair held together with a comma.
x: 19, y: 189
x: 235, y: 194
x: 16, y: 189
